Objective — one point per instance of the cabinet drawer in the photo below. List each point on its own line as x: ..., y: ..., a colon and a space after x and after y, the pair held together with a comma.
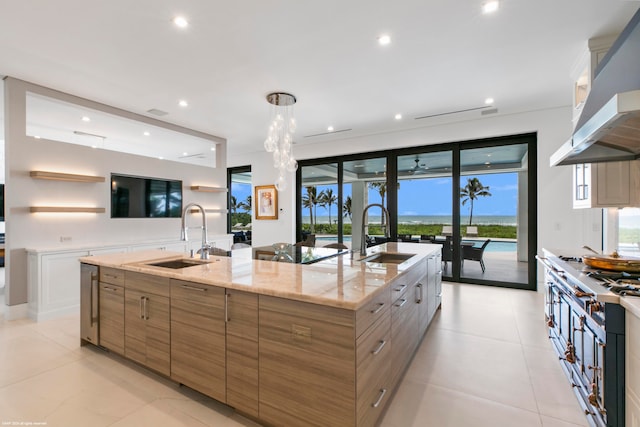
x: 373, y: 310
x: 147, y: 283
x: 112, y: 275
x: 197, y: 293
x: 373, y: 358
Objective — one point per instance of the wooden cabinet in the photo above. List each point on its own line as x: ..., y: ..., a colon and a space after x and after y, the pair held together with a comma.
x: 146, y: 316
x: 111, y: 303
x: 434, y: 271
x: 242, y: 351
x: 198, y: 358
x: 307, y: 364
x: 374, y: 361
x: 606, y: 185
x: 405, y: 318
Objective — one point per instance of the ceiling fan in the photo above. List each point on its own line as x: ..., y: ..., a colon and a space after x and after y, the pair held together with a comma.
x: 418, y: 168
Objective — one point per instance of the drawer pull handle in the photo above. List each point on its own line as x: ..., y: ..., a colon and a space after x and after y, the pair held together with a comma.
x: 404, y: 301
x: 383, y: 391
x: 400, y: 288
x: 110, y: 275
x: 108, y: 288
x: 193, y: 288
x: 377, y: 310
x: 419, y: 293
x: 379, y: 348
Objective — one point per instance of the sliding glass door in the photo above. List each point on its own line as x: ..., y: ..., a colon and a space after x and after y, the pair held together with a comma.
x: 494, y: 210
x: 476, y: 198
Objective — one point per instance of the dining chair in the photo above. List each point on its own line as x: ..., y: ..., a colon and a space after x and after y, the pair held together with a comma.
x: 473, y: 253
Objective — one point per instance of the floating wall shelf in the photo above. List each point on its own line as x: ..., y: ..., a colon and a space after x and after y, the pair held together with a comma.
x: 208, y: 189
x: 66, y: 209
x: 57, y: 176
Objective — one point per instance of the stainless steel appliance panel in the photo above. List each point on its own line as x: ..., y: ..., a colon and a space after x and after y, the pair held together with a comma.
x: 89, y: 303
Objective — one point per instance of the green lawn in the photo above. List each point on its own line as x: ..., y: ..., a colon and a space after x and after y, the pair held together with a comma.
x: 496, y: 231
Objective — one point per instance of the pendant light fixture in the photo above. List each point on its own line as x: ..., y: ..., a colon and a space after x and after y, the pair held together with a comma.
x: 280, y: 137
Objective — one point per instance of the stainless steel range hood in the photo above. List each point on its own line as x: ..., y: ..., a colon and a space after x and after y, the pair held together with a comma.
x: 611, y: 134
x: 609, y: 128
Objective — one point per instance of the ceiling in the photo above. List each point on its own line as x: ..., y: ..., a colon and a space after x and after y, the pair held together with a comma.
x: 444, y: 56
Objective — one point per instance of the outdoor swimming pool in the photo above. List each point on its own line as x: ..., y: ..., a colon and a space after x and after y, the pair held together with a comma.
x: 494, y: 246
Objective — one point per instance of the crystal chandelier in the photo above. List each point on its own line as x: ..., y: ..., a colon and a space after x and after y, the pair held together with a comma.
x: 280, y: 138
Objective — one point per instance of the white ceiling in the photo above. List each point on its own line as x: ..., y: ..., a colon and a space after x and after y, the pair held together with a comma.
x: 444, y: 56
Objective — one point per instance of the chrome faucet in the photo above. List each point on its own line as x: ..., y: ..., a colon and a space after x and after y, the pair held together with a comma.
x: 363, y: 244
x: 204, y: 250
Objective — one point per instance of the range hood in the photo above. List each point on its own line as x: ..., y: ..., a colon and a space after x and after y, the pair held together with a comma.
x: 609, y: 127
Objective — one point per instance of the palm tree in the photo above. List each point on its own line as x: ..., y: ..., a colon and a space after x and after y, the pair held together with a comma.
x: 327, y: 198
x: 246, y: 204
x: 310, y: 200
x: 233, y: 205
x: 346, y: 208
x: 471, y: 192
x: 381, y: 186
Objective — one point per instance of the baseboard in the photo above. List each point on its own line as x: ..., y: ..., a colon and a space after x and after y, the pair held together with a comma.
x: 18, y: 311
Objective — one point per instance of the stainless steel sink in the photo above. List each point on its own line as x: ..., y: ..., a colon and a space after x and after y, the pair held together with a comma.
x: 387, y: 258
x: 176, y: 263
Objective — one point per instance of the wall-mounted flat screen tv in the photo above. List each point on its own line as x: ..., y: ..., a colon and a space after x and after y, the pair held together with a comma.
x: 141, y: 197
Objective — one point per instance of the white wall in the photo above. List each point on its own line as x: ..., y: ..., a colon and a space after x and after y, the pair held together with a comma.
x: 559, y: 225
x: 266, y: 232
x: 43, y: 231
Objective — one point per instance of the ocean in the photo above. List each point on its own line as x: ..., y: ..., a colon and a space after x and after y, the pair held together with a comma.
x: 426, y: 219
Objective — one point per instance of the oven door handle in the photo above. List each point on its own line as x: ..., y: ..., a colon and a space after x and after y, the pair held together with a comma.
x: 543, y: 261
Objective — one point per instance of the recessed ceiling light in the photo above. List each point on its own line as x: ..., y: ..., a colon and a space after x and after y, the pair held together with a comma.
x: 37, y: 136
x: 213, y: 148
x: 185, y: 154
x: 487, y: 163
x: 181, y: 22
x: 490, y: 6
x: 146, y: 133
x: 86, y: 119
x: 330, y: 129
x: 161, y: 158
x: 398, y: 116
x: 384, y: 39
x: 183, y: 103
x: 488, y: 101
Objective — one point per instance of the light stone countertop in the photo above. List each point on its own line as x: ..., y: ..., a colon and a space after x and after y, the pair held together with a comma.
x: 341, y: 281
x: 631, y: 304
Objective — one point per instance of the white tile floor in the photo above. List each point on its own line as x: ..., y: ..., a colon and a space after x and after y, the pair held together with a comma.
x: 485, y: 361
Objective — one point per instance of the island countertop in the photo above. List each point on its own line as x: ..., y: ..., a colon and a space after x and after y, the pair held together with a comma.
x: 342, y: 281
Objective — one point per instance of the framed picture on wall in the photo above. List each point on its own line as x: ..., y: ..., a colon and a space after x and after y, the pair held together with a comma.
x: 266, y: 202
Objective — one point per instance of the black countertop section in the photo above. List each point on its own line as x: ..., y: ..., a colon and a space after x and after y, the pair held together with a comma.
x: 294, y: 254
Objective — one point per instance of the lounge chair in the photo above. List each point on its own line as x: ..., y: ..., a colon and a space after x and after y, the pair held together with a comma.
x: 238, y: 226
x: 336, y: 246
x: 447, y: 230
x: 472, y: 231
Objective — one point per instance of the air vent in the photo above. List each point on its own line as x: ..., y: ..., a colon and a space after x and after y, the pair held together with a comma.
x: 79, y: 132
x: 157, y: 112
x: 196, y: 156
x: 327, y: 133
x: 491, y: 111
x: 456, y: 112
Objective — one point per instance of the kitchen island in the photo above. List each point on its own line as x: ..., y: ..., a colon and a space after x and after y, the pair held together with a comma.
x: 286, y: 344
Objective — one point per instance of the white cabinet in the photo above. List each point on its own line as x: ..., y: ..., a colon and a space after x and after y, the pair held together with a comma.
x: 606, y: 185
x: 632, y: 370
x: 53, y: 276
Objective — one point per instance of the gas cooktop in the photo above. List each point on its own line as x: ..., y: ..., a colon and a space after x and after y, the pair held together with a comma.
x: 621, y: 283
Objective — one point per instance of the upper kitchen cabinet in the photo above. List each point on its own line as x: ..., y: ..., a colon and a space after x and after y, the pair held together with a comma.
x: 584, y: 71
x: 606, y: 185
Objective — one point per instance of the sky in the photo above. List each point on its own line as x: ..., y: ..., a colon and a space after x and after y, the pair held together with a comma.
x: 432, y: 196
